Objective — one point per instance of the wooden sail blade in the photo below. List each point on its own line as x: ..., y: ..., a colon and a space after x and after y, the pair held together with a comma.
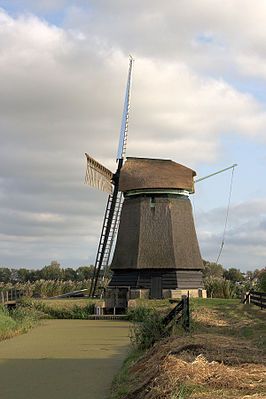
x: 98, y: 176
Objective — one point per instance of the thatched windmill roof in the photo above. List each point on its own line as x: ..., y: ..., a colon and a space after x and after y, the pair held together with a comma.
x: 148, y: 173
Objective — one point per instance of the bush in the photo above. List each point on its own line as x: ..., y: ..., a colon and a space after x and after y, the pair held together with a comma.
x: 139, y: 314
x: 150, y: 330
x: 219, y: 288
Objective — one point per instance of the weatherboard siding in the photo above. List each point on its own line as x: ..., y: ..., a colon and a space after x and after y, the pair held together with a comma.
x: 171, y: 279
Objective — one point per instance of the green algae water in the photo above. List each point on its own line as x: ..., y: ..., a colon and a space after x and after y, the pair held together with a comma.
x: 63, y: 359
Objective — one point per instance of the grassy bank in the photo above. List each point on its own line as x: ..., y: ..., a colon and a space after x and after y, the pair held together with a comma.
x: 79, y: 308
x: 64, y: 308
x: 224, y: 356
x: 16, y: 321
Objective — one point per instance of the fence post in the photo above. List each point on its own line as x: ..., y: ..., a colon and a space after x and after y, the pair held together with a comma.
x: 185, y: 312
x: 247, y: 300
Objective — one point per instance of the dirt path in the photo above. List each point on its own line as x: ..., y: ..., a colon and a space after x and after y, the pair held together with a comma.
x: 70, y: 359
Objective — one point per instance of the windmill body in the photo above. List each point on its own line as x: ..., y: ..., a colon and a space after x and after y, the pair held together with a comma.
x: 156, y: 248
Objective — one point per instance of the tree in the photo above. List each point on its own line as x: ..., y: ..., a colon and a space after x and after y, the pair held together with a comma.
x: 251, y: 275
x: 212, y: 269
x: 261, y: 283
x: 250, y: 280
x: 14, y: 278
x: 23, y: 275
x: 70, y: 274
x: 52, y: 272
x: 85, y: 272
x: 233, y: 275
x: 5, y: 275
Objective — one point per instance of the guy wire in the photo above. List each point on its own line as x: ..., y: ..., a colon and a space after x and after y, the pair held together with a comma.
x: 227, y: 214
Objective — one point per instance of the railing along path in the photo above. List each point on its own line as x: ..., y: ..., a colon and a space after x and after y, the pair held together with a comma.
x: 10, y: 296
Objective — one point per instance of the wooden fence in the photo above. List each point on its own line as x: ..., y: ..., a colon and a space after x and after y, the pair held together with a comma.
x: 257, y: 298
x: 10, y: 297
x: 180, y: 313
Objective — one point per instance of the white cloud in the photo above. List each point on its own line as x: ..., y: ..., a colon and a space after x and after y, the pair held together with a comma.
x: 209, y: 35
x: 50, y: 95
x: 62, y: 94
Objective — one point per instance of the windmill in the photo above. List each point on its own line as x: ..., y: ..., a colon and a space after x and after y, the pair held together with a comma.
x: 100, y: 177
x: 157, y: 252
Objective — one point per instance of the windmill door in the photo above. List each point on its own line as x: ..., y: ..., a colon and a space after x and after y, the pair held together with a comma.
x: 156, y: 287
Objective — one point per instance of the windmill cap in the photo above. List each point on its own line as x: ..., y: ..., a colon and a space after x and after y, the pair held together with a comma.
x: 151, y: 173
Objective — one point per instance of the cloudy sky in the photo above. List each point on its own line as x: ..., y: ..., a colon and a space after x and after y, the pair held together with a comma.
x: 198, y: 98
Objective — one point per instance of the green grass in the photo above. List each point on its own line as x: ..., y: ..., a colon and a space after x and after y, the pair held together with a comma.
x: 183, y: 392
x: 162, y: 305
x: 139, y: 314
x: 237, y: 319
x: 120, y: 386
x: 17, y: 321
x: 213, y: 302
x: 152, y: 303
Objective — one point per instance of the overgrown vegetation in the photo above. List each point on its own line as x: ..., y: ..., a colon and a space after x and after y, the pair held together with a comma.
x: 223, y: 356
x: 139, y: 313
x: 149, y: 331
x: 65, y: 309
x: 232, y: 283
x: 50, y: 281
x: 17, y: 321
x: 147, y: 318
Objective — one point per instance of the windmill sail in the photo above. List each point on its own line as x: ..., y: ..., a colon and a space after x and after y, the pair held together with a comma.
x: 98, y: 176
x: 115, y: 200
x: 124, y: 124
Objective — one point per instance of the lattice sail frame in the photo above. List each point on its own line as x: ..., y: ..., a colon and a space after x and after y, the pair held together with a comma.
x: 98, y: 176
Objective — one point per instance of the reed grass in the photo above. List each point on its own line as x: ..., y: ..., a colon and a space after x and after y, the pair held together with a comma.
x: 47, y: 288
x: 77, y: 310
x: 17, y: 321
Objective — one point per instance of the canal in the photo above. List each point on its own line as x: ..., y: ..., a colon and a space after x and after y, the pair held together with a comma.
x: 70, y: 359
